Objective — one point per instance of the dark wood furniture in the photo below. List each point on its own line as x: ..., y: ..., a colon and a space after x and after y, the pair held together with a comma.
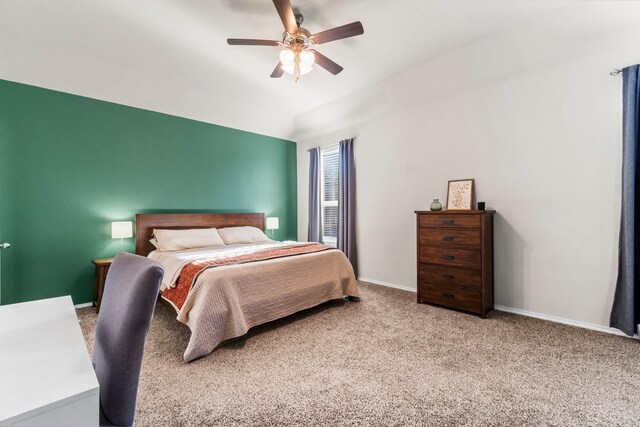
x: 145, y: 223
x: 100, y: 275
x: 455, y: 259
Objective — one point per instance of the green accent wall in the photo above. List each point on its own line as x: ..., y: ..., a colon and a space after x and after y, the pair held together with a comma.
x: 70, y: 165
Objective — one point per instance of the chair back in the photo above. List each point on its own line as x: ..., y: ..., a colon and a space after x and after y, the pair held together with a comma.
x: 130, y: 294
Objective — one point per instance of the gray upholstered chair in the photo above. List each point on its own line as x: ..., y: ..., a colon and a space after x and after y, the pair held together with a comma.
x: 130, y: 294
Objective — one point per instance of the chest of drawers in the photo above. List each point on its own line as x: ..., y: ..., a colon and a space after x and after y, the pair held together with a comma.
x: 455, y: 259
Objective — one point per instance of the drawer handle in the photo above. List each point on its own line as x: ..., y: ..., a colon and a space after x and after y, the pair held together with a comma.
x: 448, y: 238
x: 447, y: 295
x: 448, y: 257
x: 448, y: 276
x: 447, y: 221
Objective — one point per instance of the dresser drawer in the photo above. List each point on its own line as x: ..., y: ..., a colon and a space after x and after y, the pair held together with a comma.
x: 462, y: 299
x: 450, y: 221
x: 450, y: 237
x: 453, y: 257
x: 451, y: 276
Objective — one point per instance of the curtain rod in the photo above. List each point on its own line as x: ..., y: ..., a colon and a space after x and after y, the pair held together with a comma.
x: 324, y: 146
x: 615, y: 72
x: 329, y: 145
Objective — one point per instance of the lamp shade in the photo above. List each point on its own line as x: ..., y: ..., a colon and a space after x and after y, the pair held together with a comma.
x: 121, y: 229
x: 273, y: 223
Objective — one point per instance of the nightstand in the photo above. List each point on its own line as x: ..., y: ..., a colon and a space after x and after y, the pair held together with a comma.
x: 102, y: 268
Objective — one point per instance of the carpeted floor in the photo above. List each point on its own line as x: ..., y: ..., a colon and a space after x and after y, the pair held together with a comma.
x: 387, y: 361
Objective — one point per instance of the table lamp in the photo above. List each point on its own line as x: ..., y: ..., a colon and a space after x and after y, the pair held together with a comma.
x: 121, y: 230
x: 273, y: 224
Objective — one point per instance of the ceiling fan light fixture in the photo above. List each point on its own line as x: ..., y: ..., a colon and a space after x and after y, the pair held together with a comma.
x: 290, y: 69
x: 287, y: 57
x: 307, y: 58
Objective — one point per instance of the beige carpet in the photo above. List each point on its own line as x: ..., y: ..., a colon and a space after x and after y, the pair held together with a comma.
x: 387, y: 361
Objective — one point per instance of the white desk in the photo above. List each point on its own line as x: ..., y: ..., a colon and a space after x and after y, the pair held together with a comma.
x: 46, y: 376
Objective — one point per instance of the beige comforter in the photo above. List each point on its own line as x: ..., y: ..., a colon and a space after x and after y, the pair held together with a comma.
x: 226, y: 301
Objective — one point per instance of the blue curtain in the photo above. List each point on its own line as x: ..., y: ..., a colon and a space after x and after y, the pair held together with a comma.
x: 313, y: 235
x: 347, y: 203
x: 625, y: 314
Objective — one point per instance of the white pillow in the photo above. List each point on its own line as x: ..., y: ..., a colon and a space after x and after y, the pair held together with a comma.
x: 175, y: 240
x: 237, y: 235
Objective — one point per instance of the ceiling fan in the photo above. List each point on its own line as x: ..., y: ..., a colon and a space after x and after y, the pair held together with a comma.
x: 298, y: 56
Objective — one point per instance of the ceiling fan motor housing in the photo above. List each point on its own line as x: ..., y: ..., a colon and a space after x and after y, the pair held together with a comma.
x: 301, y: 40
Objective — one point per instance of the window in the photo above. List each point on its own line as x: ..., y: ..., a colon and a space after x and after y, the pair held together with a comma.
x: 329, y: 196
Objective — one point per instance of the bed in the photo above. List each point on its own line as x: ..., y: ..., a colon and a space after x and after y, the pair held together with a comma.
x: 220, y: 292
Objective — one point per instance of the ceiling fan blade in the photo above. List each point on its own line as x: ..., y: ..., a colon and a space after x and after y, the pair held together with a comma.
x: 278, y: 71
x: 342, y: 32
x: 326, y: 63
x: 252, y: 42
x: 286, y: 15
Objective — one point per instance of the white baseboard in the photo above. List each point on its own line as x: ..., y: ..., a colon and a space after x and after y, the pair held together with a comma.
x: 579, y: 324
x: 555, y: 319
x: 388, y: 285
x: 84, y: 305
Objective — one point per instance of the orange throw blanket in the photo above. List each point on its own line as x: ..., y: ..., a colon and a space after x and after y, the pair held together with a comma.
x: 189, y: 274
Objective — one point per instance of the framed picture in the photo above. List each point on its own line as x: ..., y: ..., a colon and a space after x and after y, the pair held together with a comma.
x: 460, y: 194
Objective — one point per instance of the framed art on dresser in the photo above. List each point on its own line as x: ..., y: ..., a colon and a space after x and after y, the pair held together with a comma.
x: 460, y: 194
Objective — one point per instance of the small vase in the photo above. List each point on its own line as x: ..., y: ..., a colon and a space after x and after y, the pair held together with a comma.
x: 436, y: 206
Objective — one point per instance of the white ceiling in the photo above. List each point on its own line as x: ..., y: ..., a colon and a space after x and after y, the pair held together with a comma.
x: 185, y: 40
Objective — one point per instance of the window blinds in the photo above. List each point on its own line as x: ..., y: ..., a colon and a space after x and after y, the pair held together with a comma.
x: 329, y: 195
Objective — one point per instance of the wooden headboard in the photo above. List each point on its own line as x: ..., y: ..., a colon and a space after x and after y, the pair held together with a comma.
x: 145, y: 223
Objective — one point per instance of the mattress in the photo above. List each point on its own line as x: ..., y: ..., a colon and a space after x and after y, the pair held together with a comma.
x: 237, y: 287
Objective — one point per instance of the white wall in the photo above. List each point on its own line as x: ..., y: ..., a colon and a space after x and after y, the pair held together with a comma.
x: 535, y: 118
